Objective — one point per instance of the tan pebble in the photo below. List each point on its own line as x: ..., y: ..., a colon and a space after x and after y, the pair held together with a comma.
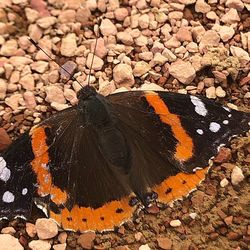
x: 39, y: 66
x: 210, y: 38
x: 225, y: 32
x: 8, y: 242
x: 224, y: 182
x: 184, y: 35
x: 138, y: 236
x: 59, y: 106
x: 67, y: 16
x: 31, y: 15
x: 173, y: 42
x: 8, y: 230
x: 146, y: 56
x: 69, y: 46
x: 151, y: 86
x: 175, y: 15
x: 60, y: 246
x: 39, y: 245
x: 86, y: 240
x: 202, y: 7
x: 231, y: 17
x: 210, y: 92
x: 54, y: 94
x: 236, y: 4
x: 101, y: 50
x: 46, y: 228
x: 121, y: 13
x: 141, y: 68
x: 212, y: 15
x: 164, y: 243
x: 141, y: 40
x: 182, y: 71
x: 123, y: 75
x: 240, y: 53
x: 46, y: 22
x: 9, y: 48
x: 18, y: 61
x: 237, y: 175
x: 143, y: 21
x: 31, y: 229
x: 13, y: 101
x: 97, y: 62
x: 232, y: 106
x: 220, y: 92
x: 62, y: 237
x: 107, y: 28
x: 175, y: 223
x: 144, y: 247
x: 159, y: 59
x: 3, y: 89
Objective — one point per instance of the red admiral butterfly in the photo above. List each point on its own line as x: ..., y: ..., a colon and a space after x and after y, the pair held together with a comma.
x: 88, y: 165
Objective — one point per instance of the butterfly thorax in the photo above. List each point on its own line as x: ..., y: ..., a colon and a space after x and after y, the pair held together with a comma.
x: 100, y: 119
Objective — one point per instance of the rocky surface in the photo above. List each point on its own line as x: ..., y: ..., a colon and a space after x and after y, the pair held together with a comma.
x: 186, y: 46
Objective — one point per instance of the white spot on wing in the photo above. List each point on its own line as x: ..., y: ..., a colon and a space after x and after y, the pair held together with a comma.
x: 2, y: 163
x: 8, y: 197
x: 227, y: 109
x: 5, y: 174
x: 214, y: 127
x: 199, y: 131
x: 24, y: 191
x: 225, y: 122
x: 199, y: 105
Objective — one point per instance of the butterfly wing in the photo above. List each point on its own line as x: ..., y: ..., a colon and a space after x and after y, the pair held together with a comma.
x: 183, y: 132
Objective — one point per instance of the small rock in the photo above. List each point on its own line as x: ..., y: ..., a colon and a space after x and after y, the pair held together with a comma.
x: 151, y: 86
x: 66, y: 72
x: 184, y: 35
x: 86, y: 240
x: 39, y: 245
x: 233, y: 236
x: 159, y: 59
x: 177, y: 15
x: 212, y: 15
x: 237, y: 176
x: 164, y: 243
x: 70, y: 96
x: 202, y: 7
x: 144, y: 247
x: 224, y: 182
x: 62, y: 237
x: 108, y: 28
x: 97, y: 62
x: 125, y: 38
x: 210, y: 38
x: 226, y: 33
x: 123, y: 75
x: 31, y: 230
x: 3, y: 89
x: 121, y: 14
x: 67, y: 16
x: 210, y: 92
x: 220, y: 92
x: 5, y: 140
x: 228, y: 220
x: 143, y: 21
x: 193, y: 215
x: 60, y: 246
x: 46, y: 228
x: 146, y: 56
x: 235, y: 4
x: 230, y: 17
x: 69, y: 46
x: 141, y: 68
x: 18, y: 61
x: 59, y: 106
x: 240, y: 53
x: 138, y: 236
x: 169, y: 55
x: 9, y: 48
x: 54, y: 94
x: 175, y: 223
x: 8, y: 242
x: 31, y: 15
x: 101, y: 50
x: 39, y: 66
x: 8, y: 230
x: 182, y: 71
x: 13, y: 101
x: 28, y: 82
x: 46, y: 22
x: 198, y: 32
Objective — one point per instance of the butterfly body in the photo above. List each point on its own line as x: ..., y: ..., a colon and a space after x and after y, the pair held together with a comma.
x: 85, y: 164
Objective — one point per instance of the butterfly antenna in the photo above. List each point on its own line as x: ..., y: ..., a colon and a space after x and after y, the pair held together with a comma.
x: 91, y: 65
x: 61, y: 67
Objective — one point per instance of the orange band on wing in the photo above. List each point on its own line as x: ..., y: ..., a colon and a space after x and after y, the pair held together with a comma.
x: 39, y: 166
x: 175, y: 187
x: 85, y: 218
x: 184, y: 148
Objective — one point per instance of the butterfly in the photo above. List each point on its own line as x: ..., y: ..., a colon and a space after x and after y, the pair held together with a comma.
x: 89, y: 165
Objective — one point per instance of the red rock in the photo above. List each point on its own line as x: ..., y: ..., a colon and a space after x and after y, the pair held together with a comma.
x: 153, y: 209
x: 122, y: 248
x: 213, y: 236
x: 233, y: 236
x: 164, y: 243
x: 228, y: 220
x: 40, y: 6
x: 224, y: 155
x: 5, y: 140
x: 86, y: 240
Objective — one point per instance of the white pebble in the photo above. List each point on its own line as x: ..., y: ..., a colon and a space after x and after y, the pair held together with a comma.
x: 175, y: 223
x: 237, y: 176
x: 224, y: 182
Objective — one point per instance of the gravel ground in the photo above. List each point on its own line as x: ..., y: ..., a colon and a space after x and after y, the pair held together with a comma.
x: 185, y: 46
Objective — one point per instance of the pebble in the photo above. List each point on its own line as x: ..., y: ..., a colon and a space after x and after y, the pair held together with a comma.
x: 237, y: 176
x: 8, y: 242
x: 101, y: 50
x: 184, y: 35
x: 30, y: 229
x: 125, y: 38
x: 211, y: 92
x: 146, y: 56
x: 97, y: 62
x: 138, y: 236
x: 59, y: 106
x: 240, y: 53
x: 68, y: 46
x: 31, y: 15
x: 3, y: 89
x: 151, y: 86
x: 86, y: 240
x: 18, y: 61
x: 28, y: 82
x: 13, y: 101
x: 60, y: 246
x: 224, y: 182
x: 141, y: 68
x: 8, y: 230
x: 39, y: 245
x: 220, y: 92
x: 225, y: 32
x: 9, y: 48
x: 46, y: 22
x: 143, y: 21
x: 159, y: 59
x: 46, y: 228
x: 202, y: 7
x: 182, y: 71
x: 67, y: 16
x: 123, y: 75
x: 39, y: 66
x: 164, y: 243
x: 210, y: 39
x: 70, y: 96
x: 144, y: 247
x: 121, y: 14
x: 107, y: 28
x: 5, y: 140
x: 54, y: 94
x: 175, y: 223
x: 235, y: 4
x: 231, y: 17
x: 30, y: 100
